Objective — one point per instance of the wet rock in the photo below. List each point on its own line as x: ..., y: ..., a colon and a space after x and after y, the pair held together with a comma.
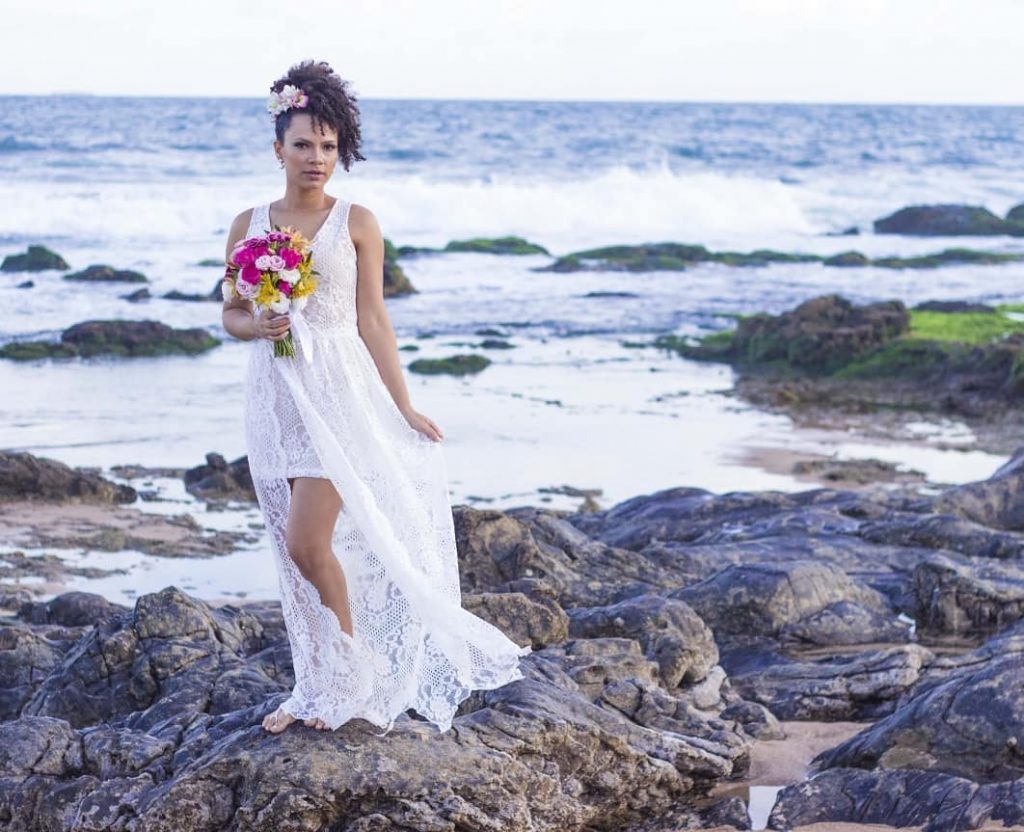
x: 954, y: 306
x: 666, y: 257
x: 848, y: 259
x: 138, y: 295
x: 496, y: 245
x: 120, y: 338
x: 220, y: 480
x: 107, y: 274
x: 26, y: 658
x: 855, y: 471
x: 395, y: 281
x: 192, y: 297
x: 36, y: 259
x: 1016, y: 214
x: 946, y: 221
x: 756, y: 720
x: 453, y: 365
x: 26, y: 284
x: 25, y: 476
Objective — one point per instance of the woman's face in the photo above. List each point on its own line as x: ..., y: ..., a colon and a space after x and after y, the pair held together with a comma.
x: 309, y: 157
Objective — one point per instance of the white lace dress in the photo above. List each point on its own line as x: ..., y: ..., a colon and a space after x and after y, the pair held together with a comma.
x: 327, y: 413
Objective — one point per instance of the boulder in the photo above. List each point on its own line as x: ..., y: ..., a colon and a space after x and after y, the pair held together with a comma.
x: 115, y: 337
x: 107, y: 274
x: 220, y: 480
x: 945, y: 221
x: 395, y: 281
x: 848, y: 259
x: 36, y: 259
x: 452, y: 365
x: 534, y: 619
x: 971, y: 598
x: 24, y: 476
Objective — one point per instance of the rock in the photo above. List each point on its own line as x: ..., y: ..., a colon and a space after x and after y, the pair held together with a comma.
x: 211, y: 262
x: 154, y: 715
x: 729, y: 812
x: 997, y: 502
x: 537, y: 621
x: 756, y: 720
x: 495, y: 344
x: 847, y: 259
x: 26, y: 284
x: 36, y: 259
x: 820, y: 335
x: 395, y: 281
x: 496, y: 245
x: 864, y: 686
x: 669, y: 632
x: 945, y: 221
x: 925, y: 800
x: 611, y: 295
x: 24, y: 476
x: 968, y: 725
x: 121, y: 338
x: 766, y: 599
x: 846, y: 623
x: 855, y: 471
x: 25, y: 658
x: 107, y: 274
x: 1016, y: 214
x: 954, y: 306
x: 666, y: 257
x: 220, y: 480
x: 174, y: 294
x: 453, y: 365
x: 72, y: 609
x: 138, y: 295
x: 973, y: 598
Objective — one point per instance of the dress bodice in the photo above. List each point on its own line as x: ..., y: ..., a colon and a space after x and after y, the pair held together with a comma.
x: 332, y: 307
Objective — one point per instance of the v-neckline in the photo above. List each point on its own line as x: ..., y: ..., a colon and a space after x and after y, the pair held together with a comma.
x: 323, y: 225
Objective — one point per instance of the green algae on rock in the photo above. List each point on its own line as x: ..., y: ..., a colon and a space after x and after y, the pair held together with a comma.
x: 36, y: 259
x: 950, y: 221
x: 496, y: 245
x: 107, y: 274
x: 114, y: 337
x: 454, y: 365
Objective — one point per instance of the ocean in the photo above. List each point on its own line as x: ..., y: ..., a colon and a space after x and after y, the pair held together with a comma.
x: 153, y: 183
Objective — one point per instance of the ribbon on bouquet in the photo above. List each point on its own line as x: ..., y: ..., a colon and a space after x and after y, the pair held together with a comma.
x: 302, y: 331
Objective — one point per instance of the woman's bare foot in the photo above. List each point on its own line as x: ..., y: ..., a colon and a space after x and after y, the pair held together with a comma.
x: 276, y: 722
x: 314, y: 722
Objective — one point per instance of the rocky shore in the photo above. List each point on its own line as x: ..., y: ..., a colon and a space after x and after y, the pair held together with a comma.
x: 674, y: 635
x: 879, y: 366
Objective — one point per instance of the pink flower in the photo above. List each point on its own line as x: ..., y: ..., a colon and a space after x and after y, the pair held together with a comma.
x: 250, y: 274
x: 291, y: 257
x: 275, y: 263
x: 284, y: 287
x: 246, y: 290
x: 243, y: 257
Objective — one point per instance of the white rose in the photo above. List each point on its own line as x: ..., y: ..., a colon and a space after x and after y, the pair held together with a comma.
x: 291, y: 275
x: 280, y: 306
x: 263, y: 262
x: 228, y: 290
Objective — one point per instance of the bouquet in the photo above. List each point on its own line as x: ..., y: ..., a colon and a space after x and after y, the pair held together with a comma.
x: 274, y: 272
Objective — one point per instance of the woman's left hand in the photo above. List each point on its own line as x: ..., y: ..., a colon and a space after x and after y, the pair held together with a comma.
x: 423, y: 424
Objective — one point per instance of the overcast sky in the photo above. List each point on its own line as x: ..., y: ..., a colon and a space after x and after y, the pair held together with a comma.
x: 929, y: 51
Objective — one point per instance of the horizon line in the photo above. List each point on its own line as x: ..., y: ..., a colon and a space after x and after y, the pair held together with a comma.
x: 516, y: 100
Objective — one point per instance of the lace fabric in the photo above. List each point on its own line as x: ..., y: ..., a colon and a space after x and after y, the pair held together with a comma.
x: 413, y: 645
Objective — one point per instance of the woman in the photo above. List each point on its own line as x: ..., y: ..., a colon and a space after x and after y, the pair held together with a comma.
x: 350, y: 477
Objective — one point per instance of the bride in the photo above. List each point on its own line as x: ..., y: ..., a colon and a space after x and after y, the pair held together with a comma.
x: 350, y: 477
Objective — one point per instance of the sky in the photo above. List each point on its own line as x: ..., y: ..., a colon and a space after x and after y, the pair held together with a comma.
x: 879, y: 51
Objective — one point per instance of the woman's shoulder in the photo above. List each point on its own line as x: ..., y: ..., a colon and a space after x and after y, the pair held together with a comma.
x: 362, y: 223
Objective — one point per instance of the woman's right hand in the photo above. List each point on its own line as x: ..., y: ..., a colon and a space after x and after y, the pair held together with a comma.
x: 268, y: 324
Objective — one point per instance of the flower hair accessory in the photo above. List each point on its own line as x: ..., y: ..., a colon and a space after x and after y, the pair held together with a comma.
x: 290, y: 96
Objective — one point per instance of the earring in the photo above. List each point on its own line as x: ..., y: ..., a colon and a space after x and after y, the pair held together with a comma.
x: 281, y: 161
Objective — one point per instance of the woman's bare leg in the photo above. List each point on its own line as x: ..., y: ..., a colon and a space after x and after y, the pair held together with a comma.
x: 314, y: 512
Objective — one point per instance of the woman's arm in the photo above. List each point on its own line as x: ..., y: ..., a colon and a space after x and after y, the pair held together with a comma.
x: 372, y: 316
x: 238, y: 316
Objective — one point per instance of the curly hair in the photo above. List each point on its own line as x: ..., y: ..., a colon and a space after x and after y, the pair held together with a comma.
x: 330, y: 103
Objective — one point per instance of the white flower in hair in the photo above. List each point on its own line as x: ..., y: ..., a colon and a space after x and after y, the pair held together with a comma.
x: 290, y: 96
